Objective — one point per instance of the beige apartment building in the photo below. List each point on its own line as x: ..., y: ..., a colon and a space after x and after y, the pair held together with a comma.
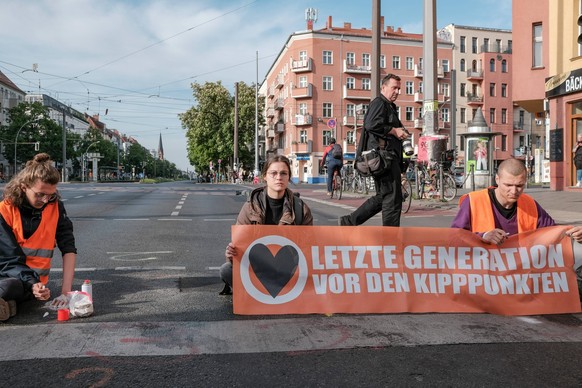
x: 319, y: 87
x: 548, y: 78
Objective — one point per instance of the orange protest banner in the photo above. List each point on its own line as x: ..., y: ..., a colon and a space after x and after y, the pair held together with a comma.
x: 365, y: 269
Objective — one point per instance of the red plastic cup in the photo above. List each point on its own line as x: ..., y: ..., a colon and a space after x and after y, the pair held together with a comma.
x: 63, y: 314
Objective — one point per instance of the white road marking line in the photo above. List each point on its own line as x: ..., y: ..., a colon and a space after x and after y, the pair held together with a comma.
x: 180, y: 202
x: 213, y: 268
x: 219, y: 219
x: 89, y: 195
x: 178, y: 207
x: 174, y: 219
x: 162, y: 268
x: 78, y: 196
x: 175, y: 213
x: 76, y: 269
x: 131, y: 219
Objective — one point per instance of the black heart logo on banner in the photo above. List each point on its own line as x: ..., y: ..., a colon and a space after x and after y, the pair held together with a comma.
x: 274, y: 272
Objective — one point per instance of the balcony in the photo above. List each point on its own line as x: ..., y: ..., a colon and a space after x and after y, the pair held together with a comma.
x: 496, y: 48
x: 301, y: 66
x: 271, y: 133
x: 279, y: 103
x: 418, y: 123
x: 280, y: 127
x: 303, y: 120
x: 301, y: 148
x: 418, y: 97
x: 271, y: 111
x: 356, y: 94
x: 271, y: 91
x: 355, y: 69
x: 474, y: 75
x: 440, y: 72
x: 305, y: 92
x: 418, y: 71
x: 474, y: 99
x: 350, y: 121
x: 279, y: 81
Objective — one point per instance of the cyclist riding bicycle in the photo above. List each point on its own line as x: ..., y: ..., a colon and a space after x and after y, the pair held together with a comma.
x: 333, y: 157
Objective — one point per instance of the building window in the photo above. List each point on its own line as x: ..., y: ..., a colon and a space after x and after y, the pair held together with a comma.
x: 445, y: 65
x: 503, y: 116
x: 537, y: 45
x: 445, y: 115
x: 350, y: 110
x: 383, y: 61
x: 366, y: 84
x: 492, y: 65
x: 462, y: 91
x: 420, y: 87
x: 409, y: 88
x: 303, y: 108
x: 303, y: 82
x: 326, y: 137
x: 327, y: 57
x: 498, y: 44
x: 350, y: 83
x: 492, y: 89
x: 350, y: 58
x: 350, y: 138
x: 474, y: 45
x: 409, y: 113
x: 366, y: 60
x: 327, y: 83
x: 504, y: 66
x: 303, y: 136
x: 486, y: 45
x: 491, y: 115
x: 327, y: 109
x: 463, y: 115
x: 396, y: 62
x: 462, y: 65
x: 445, y: 90
x: 503, y: 142
x: 302, y: 55
x: 503, y: 90
x: 463, y: 44
x: 409, y: 63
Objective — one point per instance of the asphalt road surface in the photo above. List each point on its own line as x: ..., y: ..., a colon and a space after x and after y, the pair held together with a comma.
x: 152, y: 253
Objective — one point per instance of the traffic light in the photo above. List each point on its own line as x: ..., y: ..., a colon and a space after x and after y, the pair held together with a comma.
x: 36, y: 146
x: 580, y: 29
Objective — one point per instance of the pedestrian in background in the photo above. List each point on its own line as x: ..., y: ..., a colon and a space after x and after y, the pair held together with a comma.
x: 32, y: 219
x: 578, y: 160
x: 386, y: 132
x: 272, y: 204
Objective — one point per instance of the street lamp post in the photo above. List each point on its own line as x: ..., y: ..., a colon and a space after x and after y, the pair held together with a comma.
x: 16, y: 138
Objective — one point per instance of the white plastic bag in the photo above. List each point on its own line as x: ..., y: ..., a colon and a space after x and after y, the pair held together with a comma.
x: 80, y: 304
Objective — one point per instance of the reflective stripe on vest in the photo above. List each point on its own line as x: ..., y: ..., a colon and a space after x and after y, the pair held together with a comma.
x: 483, y: 219
x: 39, y: 247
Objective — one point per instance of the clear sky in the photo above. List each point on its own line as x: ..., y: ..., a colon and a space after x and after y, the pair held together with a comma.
x: 132, y: 61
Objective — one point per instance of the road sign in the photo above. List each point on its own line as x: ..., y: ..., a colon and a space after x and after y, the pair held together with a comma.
x: 331, y: 123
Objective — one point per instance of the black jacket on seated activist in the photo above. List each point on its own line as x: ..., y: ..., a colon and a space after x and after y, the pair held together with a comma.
x: 384, y: 131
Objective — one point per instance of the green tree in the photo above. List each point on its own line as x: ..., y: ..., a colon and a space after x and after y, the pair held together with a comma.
x: 31, y: 122
x: 210, y: 124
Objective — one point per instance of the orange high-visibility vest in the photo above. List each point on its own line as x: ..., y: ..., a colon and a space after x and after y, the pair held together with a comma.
x: 39, y: 247
x: 482, y: 218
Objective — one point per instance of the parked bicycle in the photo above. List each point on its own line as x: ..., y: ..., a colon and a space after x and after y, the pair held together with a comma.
x: 435, y: 182
x: 406, y: 194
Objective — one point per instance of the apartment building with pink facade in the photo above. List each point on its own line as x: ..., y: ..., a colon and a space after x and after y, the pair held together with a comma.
x: 547, y: 79
x: 319, y: 87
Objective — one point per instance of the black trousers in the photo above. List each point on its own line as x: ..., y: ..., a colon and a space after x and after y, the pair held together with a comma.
x: 388, y: 200
x: 13, y: 289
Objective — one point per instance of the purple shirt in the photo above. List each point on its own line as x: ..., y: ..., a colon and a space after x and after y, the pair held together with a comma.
x: 463, y: 219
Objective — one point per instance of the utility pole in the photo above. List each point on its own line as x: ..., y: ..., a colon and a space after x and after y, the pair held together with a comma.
x: 375, y: 49
x: 256, y: 172
x: 236, y: 126
x: 64, y: 168
x: 429, y: 53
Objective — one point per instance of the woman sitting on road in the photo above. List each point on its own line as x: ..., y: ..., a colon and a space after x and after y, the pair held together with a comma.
x: 31, y: 219
x: 273, y: 204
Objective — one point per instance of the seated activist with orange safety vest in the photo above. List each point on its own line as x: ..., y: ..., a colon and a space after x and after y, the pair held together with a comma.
x: 32, y: 219
x: 499, y: 212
